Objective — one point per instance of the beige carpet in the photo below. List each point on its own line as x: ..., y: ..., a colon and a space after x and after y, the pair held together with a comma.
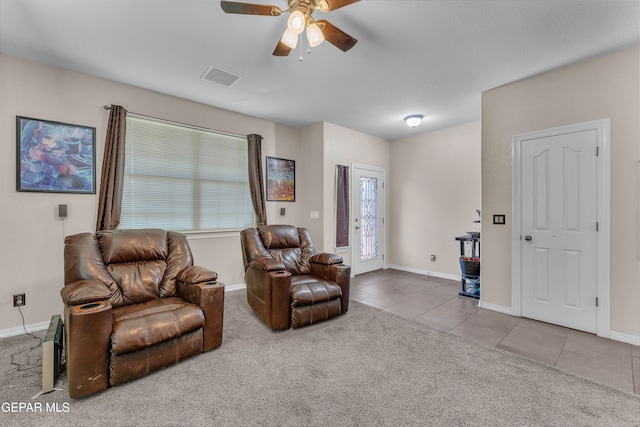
x: 366, y: 368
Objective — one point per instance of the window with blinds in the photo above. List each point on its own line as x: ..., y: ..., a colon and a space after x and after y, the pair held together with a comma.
x: 184, y: 178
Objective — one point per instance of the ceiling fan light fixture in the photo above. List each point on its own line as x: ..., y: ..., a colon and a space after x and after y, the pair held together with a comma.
x: 314, y: 35
x: 413, y: 120
x: 296, y: 22
x: 289, y: 38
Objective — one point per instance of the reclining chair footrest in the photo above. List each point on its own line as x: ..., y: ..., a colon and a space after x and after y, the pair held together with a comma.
x: 309, y: 314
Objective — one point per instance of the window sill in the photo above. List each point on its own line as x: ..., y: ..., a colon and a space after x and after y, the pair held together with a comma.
x: 211, y: 234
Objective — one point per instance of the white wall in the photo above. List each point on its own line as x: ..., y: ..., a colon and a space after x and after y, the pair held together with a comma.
x: 607, y: 86
x: 434, y: 192
x: 31, y: 256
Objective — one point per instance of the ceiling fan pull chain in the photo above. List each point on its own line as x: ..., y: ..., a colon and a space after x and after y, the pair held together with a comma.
x: 300, y: 44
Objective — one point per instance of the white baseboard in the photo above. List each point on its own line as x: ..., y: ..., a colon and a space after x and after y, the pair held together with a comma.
x: 495, y: 307
x: 19, y: 330
x: 230, y: 288
x: 40, y: 326
x: 627, y: 338
x: 424, y: 272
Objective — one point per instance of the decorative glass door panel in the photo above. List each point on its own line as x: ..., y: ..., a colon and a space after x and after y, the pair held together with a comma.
x: 368, y: 218
x: 367, y: 194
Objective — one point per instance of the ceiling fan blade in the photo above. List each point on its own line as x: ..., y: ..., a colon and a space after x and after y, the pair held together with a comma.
x: 336, y: 36
x: 329, y: 5
x: 281, y: 49
x: 250, y: 9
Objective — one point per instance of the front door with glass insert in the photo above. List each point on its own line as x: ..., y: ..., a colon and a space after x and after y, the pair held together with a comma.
x: 368, y: 219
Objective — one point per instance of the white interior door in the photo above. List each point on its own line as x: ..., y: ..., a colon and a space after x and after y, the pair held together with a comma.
x: 559, y: 229
x: 368, y: 212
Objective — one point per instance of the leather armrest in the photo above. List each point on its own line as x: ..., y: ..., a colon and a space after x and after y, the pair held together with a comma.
x: 267, y: 264
x: 326, y: 259
x: 339, y: 273
x: 195, y: 274
x: 209, y: 296
x: 87, y: 342
x: 84, y: 291
x: 269, y: 295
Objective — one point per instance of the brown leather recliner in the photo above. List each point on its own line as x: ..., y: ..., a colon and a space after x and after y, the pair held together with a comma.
x: 288, y: 283
x: 134, y: 303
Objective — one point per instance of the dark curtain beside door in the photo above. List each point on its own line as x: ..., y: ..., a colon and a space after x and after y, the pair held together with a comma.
x: 342, y: 206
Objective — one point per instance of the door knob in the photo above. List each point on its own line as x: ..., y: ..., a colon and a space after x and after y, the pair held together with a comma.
x: 357, y: 228
x: 527, y: 238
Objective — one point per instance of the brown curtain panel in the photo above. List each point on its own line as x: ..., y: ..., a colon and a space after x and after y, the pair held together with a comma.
x: 342, y: 194
x: 255, y: 178
x: 112, y: 178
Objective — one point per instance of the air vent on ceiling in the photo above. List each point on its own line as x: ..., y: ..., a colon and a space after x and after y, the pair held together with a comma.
x: 216, y: 75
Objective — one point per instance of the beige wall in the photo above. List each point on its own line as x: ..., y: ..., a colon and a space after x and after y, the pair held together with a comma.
x: 434, y: 192
x: 309, y: 176
x: 607, y: 86
x: 31, y: 256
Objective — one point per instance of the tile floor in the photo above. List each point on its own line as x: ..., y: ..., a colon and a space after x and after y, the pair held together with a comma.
x: 435, y: 302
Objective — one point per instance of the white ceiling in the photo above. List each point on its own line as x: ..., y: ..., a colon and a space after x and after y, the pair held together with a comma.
x: 426, y: 57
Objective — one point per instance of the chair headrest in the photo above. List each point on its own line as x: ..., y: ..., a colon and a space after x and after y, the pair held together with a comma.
x: 132, y: 245
x: 279, y: 236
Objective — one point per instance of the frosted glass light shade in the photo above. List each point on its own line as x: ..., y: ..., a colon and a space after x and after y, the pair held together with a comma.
x: 413, y: 120
x: 289, y: 38
x: 296, y: 22
x: 314, y: 35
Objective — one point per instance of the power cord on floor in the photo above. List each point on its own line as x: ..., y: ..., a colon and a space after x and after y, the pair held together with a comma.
x: 27, y: 367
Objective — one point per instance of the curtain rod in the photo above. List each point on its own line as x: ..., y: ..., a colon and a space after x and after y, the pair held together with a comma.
x: 107, y: 107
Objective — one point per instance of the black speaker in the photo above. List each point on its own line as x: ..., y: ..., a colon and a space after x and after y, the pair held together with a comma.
x: 62, y: 211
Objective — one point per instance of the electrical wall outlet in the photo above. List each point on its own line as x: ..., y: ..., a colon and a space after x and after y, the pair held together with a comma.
x: 433, y: 258
x: 19, y: 300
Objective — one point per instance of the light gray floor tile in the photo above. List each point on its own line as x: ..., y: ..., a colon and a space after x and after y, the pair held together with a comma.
x: 560, y: 331
x: 534, y: 344
x: 387, y: 299
x: 594, y: 368
x: 487, y: 336
x: 406, y: 310
x: 451, y: 317
x: 600, y: 348
x: 427, y: 301
x: 494, y: 320
x: 466, y: 304
x: 434, y: 325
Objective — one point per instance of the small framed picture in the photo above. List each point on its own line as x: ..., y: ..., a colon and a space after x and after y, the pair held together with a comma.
x: 281, y: 180
x: 55, y: 157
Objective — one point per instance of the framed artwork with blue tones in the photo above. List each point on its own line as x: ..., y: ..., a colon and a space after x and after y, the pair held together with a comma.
x: 55, y: 157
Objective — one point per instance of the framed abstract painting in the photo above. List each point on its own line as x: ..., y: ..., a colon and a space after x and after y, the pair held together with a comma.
x: 281, y: 180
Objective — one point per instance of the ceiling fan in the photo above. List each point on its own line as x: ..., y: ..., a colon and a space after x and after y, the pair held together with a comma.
x: 300, y: 19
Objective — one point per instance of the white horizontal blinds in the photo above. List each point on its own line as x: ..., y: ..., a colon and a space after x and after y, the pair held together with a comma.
x: 183, y: 178
x: 223, y: 183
